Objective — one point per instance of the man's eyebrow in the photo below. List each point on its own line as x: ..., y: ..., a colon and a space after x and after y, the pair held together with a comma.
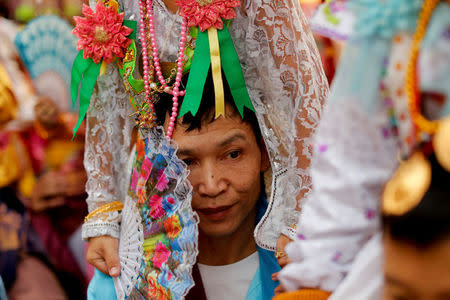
x: 185, y: 152
x: 231, y: 139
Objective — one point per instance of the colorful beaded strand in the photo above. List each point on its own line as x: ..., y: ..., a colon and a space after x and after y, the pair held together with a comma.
x: 145, y: 58
x: 175, y: 92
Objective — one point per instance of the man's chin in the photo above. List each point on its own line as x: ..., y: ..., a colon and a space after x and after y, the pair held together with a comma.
x: 221, y: 229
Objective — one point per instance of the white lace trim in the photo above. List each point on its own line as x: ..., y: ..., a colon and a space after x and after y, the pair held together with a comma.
x: 100, y: 228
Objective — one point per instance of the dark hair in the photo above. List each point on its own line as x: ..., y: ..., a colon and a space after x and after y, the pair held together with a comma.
x: 205, y: 113
x: 428, y: 222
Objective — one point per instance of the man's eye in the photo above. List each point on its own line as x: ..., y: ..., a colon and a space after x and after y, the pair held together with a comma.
x: 187, y: 161
x: 234, y: 154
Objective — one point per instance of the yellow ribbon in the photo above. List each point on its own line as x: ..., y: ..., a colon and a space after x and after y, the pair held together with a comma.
x: 216, y: 71
x: 103, y: 68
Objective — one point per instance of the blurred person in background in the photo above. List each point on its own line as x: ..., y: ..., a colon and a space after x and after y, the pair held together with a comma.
x: 417, y: 243
x: 24, y: 11
x: 390, y: 98
x: 42, y: 183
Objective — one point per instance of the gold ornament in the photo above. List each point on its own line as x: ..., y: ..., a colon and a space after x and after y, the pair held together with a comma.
x: 407, y: 187
x: 107, y: 208
x: 441, y: 144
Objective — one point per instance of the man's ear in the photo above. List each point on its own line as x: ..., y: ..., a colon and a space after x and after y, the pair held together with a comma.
x: 265, y: 161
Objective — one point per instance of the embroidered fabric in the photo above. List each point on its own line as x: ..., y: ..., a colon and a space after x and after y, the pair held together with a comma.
x: 286, y: 83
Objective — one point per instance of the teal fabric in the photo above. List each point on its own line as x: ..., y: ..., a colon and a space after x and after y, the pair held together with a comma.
x: 262, y: 285
x: 383, y: 19
x: 360, y: 67
x: 2, y: 290
x: 101, y: 287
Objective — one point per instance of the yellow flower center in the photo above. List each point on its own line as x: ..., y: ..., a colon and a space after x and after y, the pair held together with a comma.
x: 100, y: 34
x: 204, y: 2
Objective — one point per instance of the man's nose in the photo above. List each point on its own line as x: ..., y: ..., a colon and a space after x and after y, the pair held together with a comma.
x: 212, y: 182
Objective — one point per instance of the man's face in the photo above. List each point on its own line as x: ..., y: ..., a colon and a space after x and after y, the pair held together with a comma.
x: 225, y: 163
x: 416, y: 273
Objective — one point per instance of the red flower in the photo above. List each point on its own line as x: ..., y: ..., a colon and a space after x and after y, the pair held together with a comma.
x: 207, y: 13
x: 101, y: 33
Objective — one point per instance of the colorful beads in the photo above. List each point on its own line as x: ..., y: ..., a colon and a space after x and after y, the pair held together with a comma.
x: 149, y: 85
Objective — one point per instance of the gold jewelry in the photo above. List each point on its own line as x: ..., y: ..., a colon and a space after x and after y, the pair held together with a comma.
x: 110, y: 207
x: 411, y: 82
x: 279, y: 254
x: 407, y: 187
x: 441, y: 144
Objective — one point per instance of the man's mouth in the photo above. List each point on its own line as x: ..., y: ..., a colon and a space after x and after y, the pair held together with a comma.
x: 216, y: 213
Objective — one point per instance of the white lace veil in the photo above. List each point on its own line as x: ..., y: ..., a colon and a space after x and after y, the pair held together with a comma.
x: 287, y: 86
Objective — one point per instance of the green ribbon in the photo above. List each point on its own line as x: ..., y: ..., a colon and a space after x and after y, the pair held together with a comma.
x: 133, y: 25
x: 231, y: 66
x: 197, y: 75
x: 84, y: 77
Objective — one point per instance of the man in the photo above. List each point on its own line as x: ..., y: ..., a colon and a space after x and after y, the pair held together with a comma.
x: 226, y: 158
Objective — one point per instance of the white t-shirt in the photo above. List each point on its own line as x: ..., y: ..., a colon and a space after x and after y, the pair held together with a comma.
x: 229, y: 281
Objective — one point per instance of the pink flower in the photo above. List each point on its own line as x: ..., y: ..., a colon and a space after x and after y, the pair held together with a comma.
x: 161, y: 255
x: 101, y: 33
x: 156, y: 208
x: 163, y: 182
x: 207, y: 13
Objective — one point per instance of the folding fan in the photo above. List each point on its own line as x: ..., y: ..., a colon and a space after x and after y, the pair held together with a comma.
x: 162, y: 193
x: 48, y: 49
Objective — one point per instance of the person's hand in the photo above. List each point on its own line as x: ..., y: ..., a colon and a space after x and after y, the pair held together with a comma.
x: 103, y: 254
x: 48, y: 192
x: 282, y: 259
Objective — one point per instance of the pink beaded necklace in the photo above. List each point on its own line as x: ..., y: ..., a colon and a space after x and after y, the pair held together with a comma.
x: 151, y: 86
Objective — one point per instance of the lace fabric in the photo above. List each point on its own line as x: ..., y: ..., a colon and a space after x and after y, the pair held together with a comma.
x: 286, y: 83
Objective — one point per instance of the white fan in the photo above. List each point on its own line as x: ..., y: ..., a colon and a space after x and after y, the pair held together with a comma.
x: 130, y: 249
